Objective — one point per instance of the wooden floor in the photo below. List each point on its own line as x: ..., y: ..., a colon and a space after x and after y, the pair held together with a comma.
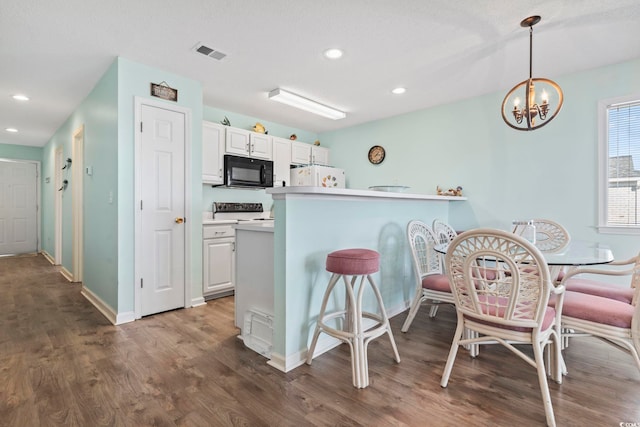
x: 63, y: 364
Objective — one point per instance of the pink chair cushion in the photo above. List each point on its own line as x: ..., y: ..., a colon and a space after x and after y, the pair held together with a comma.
x: 437, y: 282
x: 596, y: 309
x: 547, y: 320
x: 605, y: 290
x: 353, y: 261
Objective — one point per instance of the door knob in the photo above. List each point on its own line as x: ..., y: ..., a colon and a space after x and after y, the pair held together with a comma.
x: 179, y: 220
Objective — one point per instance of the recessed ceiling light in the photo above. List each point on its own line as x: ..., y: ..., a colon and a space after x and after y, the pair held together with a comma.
x: 19, y: 97
x: 333, y: 53
x: 12, y: 130
x: 399, y: 91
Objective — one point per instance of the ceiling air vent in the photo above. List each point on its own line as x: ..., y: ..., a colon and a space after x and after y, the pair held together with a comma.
x: 212, y: 53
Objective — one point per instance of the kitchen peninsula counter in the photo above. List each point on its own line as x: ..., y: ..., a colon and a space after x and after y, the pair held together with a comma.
x: 311, y: 222
x: 281, y: 192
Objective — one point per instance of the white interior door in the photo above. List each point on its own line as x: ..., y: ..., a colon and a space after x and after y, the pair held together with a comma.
x: 18, y: 207
x: 58, y: 207
x: 162, y: 210
x: 77, y: 183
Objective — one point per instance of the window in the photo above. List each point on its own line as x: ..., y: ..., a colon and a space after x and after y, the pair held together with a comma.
x: 619, y: 164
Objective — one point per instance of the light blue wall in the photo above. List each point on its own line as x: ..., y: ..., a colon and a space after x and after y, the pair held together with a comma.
x: 134, y: 80
x: 98, y: 114
x: 107, y: 115
x: 216, y: 194
x: 507, y: 174
x: 20, y: 152
x: 308, y: 228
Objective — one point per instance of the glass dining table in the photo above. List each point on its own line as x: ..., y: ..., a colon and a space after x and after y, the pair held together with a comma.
x: 577, y: 253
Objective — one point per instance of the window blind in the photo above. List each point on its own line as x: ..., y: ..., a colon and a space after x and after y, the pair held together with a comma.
x: 624, y: 164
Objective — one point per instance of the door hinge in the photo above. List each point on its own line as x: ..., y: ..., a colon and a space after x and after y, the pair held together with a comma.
x: 142, y: 283
x: 140, y: 127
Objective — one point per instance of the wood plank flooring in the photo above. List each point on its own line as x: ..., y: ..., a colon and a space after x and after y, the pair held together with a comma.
x: 63, y: 364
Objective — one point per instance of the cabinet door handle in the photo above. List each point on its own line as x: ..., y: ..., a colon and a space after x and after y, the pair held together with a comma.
x: 233, y: 246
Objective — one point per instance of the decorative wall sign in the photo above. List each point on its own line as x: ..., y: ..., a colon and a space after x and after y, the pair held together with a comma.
x: 162, y: 90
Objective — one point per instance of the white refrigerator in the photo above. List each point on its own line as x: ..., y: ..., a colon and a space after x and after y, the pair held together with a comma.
x: 317, y: 176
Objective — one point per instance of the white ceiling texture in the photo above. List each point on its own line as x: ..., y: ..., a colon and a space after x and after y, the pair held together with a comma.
x: 442, y: 51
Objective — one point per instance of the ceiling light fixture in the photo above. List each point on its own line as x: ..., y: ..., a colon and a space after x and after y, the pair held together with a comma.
x: 398, y: 91
x: 550, y: 96
x: 333, y: 53
x: 306, y: 104
x: 19, y: 97
x: 12, y: 130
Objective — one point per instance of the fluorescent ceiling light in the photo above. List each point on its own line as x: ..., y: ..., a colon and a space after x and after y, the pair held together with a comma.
x: 20, y: 97
x: 399, y: 91
x: 12, y: 130
x: 306, y: 104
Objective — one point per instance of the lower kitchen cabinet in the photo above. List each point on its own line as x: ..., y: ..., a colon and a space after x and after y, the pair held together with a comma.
x: 219, y: 260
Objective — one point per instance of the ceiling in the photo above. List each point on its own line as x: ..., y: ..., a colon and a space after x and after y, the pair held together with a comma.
x: 442, y: 51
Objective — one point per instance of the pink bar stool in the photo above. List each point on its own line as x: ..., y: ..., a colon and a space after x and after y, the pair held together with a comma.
x: 353, y: 263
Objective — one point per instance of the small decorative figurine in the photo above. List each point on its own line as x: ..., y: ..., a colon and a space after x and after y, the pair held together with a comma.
x: 450, y: 192
x: 226, y: 121
x: 293, y: 137
x: 259, y: 128
x: 317, y: 142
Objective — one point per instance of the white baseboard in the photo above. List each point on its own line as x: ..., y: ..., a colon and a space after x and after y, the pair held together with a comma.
x: 48, y: 257
x: 66, y: 274
x: 106, y: 310
x: 126, y: 317
x: 195, y: 302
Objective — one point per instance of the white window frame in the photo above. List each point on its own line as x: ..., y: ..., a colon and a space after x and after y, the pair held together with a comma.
x: 603, y: 165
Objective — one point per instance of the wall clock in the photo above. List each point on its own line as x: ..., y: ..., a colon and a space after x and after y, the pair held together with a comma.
x: 376, y: 154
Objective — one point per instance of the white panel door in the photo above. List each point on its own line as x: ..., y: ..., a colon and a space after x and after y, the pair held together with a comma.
x: 18, y: 208
x: 162, y: 210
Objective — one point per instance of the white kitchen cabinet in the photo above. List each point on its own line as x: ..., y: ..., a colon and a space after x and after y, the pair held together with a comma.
x: 305, y: 154
x: 319, y: 155
x: 246, y: 143
x: 213, y: 137
x: 300, y: 153
x: 219, y: 260
x: 260, y: 146
x: 281, y: 161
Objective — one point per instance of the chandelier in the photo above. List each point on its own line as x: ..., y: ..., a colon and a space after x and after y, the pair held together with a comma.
x: 535, y: 111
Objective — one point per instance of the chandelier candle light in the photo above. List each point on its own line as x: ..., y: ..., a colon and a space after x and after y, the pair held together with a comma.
x: 524, y: 117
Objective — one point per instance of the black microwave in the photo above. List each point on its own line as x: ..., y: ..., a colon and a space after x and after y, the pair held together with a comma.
x: 247, y: 172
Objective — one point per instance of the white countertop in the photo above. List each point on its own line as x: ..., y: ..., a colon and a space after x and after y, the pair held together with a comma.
x: 282, y: 192
x: 265, y: 226
x: 218, y: 221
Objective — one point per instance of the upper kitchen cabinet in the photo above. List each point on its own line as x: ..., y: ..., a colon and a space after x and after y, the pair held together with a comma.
x: 281, y: 161
x: 213, y: 136
x: 246, y: 143
x: 319, y: 155
x: 304, y: 154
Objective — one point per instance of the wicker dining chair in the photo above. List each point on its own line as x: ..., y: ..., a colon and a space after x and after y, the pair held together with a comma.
x: 604, y: 310
x: 550, y: 235
x: 432, y: 285
x: 511, y: 308
x: 443, y: 231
